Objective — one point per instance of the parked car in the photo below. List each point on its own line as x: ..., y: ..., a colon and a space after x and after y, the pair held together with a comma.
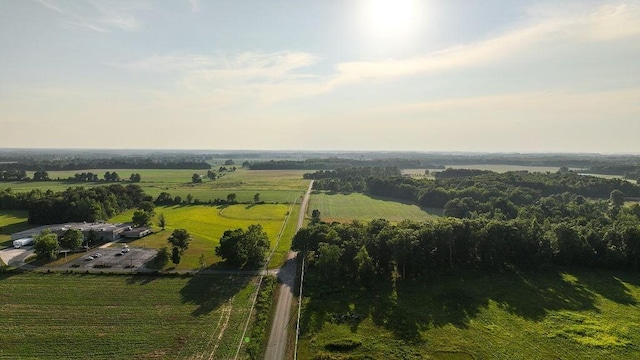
x: 125, y: 250
x: 88, y: 258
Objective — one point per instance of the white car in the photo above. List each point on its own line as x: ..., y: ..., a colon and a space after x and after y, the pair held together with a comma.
x: 125, y: 250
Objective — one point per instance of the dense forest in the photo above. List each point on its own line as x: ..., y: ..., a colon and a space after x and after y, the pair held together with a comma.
x: 486, y: 192
x: 114, y: 163
x: 492, y: 221
x: 74, y: 204
x: 335, y: 163
x: 363, y: 253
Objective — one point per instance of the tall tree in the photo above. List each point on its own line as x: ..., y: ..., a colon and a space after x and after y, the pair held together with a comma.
x: 141, y: 218
x: 243, y: 248
x: 46, y: 245
x: 162, y: 222
x: 175, y: 255
x: 256, y: 198
x: 315, y: 216
x: 71, y: 239
x: 616, y: 198
x: 180, y: 239
x: 231, y: 198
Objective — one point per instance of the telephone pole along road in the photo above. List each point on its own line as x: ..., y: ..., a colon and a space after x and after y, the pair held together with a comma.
x: 277, y: 345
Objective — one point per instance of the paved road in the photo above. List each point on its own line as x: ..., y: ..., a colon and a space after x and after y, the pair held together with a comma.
x: 277, y: 345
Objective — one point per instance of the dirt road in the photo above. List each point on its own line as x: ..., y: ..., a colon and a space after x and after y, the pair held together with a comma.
x: 277, y: 345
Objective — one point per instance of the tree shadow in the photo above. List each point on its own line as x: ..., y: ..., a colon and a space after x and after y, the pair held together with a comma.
x: 209, y: 292
x: 607, y: 284
x: 407, y: 307
x: 141, y: 279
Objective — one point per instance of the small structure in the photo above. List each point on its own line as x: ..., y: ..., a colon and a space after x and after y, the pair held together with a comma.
x: 136, y: 233
x: 102, y: 231
x: 22, y: 242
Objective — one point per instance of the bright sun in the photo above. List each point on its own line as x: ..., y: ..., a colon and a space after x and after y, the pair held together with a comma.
x: 390, y: 18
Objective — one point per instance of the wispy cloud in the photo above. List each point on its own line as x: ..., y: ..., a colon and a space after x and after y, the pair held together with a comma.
x: 265, y: 77
x: 272, y: 77
x: 99, y: 16
x: 544, y: 31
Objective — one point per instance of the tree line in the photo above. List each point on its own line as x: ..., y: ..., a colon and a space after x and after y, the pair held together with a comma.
x: 507, y: 191
x: 78, y: 204
x: 366, y: 252
x: 100, y: 163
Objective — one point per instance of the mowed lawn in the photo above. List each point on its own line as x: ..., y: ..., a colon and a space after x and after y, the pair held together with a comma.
x: 73, y: 316
x: 11, y: 221
x: 206, y: 224
x: 344, y: 208
x: 282, y: 186
x: 566, y: 314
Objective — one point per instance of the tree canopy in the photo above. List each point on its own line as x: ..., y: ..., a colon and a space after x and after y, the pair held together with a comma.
x: 240, y: 248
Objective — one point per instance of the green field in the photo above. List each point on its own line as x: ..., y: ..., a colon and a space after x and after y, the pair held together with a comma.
x: 206, y: 224
x: 569, y: 314
x: 344, y: 208
x: 63, y: 316
x: 11, y: 221
x: 273, y: 186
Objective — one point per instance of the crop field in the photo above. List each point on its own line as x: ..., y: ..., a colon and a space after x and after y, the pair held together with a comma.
x: 569, y: 314
x: 206, y: 224
x: 73, y: 316
x: 273, y: 186
x: 344, y: 208
x: 11, y: 221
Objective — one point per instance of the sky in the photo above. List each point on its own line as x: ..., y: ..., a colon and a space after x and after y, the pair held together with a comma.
x: 414, y: 75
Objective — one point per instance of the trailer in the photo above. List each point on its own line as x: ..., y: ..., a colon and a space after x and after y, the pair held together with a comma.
x: 22, y: 242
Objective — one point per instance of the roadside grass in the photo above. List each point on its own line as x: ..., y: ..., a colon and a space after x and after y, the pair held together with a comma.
x: 80, y: 316
x: 11, y: 221
x: 563, y: 314
x: 355, y: 206
x: 206, y: 224
x: 281, y: 253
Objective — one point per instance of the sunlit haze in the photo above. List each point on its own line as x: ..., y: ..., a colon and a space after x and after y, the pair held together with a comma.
x: 445, y: 75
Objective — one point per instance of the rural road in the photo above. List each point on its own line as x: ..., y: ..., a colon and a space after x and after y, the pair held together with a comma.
x: 277, y: 345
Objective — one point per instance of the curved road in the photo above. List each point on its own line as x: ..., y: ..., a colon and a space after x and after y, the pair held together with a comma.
x: 277, y: 345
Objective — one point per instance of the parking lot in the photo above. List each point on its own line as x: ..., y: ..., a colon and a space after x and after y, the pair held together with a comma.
x: 13, y: 256
x: 113, y: 258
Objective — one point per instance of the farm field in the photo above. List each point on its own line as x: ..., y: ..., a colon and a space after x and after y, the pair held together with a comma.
x: 86, y: 316
x: 345, y: 208
x: 565, y: 314
x: 274, y: 186
x: 206, y: 224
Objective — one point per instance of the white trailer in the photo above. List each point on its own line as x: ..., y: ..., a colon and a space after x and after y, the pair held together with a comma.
x: 22, y: 242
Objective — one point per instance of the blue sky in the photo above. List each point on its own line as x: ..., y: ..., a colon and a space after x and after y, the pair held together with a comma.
x: 497, y: 76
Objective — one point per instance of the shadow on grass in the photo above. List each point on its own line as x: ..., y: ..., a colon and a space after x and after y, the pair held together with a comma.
x: 406, y: 307
x: 209, y: 292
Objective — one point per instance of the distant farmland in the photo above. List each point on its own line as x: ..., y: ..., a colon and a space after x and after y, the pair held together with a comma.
x: 343, y: 208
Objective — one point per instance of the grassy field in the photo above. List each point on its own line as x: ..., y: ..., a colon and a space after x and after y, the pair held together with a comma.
x: 11, y: 221
x: 273, y: 186
x: 344, y: 208
x: 569, y: 314
x: 206, y: 224
x: 122, y: 317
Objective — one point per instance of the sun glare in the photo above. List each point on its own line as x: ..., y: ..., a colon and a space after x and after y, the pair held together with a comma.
x: 390, y: 18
